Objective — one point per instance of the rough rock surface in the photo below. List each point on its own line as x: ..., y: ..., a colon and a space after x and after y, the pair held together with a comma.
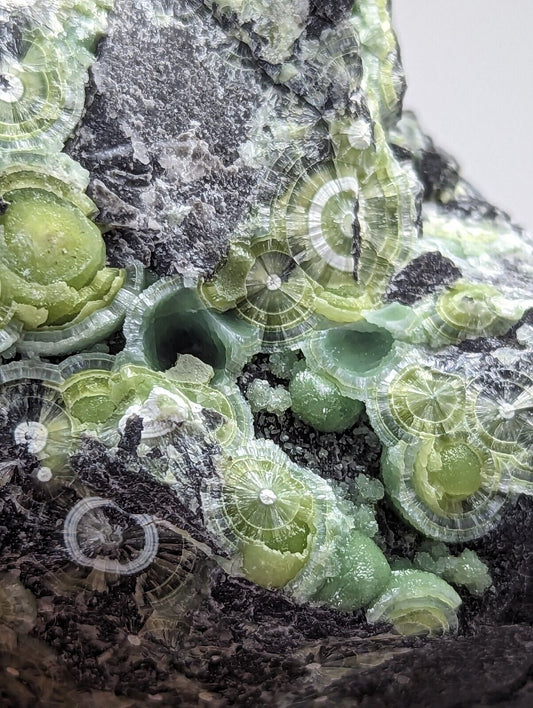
x: 182, y: 101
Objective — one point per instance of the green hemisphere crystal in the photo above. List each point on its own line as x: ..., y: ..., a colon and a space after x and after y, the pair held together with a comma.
x: 468, y: 310
x: 319, y: 403
x: 363, y: 574
x: 336, y: 518
x: 416, y: 602
x: 267, y: 289
x: 269, y: 567
x: 354, y: 356
x: 42, y: 91
x: 53, y: 258
x: 37, y: 435
x: 264, y: 510
x: 450, y: 488
x: 265, y: 503
x: 170, y: 319
x: 49, y: 240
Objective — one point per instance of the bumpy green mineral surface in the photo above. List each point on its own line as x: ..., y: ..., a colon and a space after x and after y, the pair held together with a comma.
x: 266, y: 399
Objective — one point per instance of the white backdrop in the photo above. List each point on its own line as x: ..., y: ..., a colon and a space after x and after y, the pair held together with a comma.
x: 469, y: 68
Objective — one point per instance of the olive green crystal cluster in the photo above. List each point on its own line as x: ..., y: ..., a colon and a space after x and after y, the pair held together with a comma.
x: 365, y: 292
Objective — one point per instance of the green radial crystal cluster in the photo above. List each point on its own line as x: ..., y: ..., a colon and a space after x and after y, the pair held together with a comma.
x: 330, y: 278
x: 56, y: 293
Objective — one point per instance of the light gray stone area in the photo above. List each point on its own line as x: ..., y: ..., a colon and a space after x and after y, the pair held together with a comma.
x: 176, y: 170
x: 164, y: 157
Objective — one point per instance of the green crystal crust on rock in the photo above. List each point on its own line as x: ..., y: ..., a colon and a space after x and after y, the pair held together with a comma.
x: 259, y: 357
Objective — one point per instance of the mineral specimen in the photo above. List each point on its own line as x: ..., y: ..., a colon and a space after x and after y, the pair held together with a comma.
x: 265, y: 354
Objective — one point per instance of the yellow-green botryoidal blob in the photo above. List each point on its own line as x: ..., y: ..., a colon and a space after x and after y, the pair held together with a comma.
x: 319, y: 403
x: 52, y: 263
x: 53, y: 260
x: 416, y: 602
x: 363, y: 574
x: 49, y: 240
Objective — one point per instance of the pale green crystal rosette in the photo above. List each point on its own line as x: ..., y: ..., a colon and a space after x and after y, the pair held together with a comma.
x: 450, y: 451
x: 42, y: 93
x: 37, y: 434
x: 264, y: 513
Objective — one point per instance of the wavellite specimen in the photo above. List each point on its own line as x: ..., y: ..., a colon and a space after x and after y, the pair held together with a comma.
x: 267, y: 388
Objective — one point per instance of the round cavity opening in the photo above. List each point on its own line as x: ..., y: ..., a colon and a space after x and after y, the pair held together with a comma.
x: 359, y: 351
x: 179, y: 326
